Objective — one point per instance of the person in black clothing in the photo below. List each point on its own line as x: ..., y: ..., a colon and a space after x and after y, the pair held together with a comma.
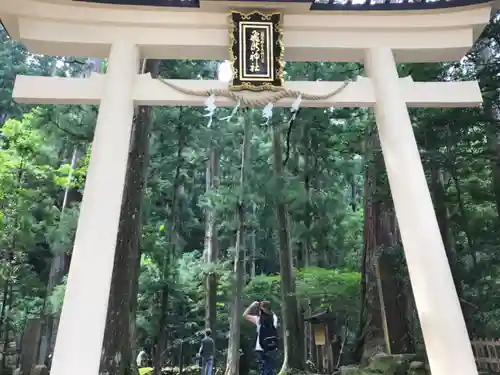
x: 206, y: 353
x: 260, y: 314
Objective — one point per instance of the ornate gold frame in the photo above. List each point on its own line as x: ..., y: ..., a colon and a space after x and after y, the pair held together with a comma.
x: 279, y: 61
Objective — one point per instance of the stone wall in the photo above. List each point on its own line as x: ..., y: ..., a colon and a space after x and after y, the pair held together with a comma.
x: 11, y: 354
x: 383, y: 364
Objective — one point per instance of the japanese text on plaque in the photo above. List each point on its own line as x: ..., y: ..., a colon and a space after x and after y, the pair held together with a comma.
x: 256, y: 50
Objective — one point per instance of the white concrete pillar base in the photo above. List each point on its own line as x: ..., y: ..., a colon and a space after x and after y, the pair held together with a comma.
x: 445, y: 334
x: 83, y: 318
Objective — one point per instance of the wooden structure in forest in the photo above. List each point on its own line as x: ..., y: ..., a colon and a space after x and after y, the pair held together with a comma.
x: 324, y: 327
x: 487, y: 354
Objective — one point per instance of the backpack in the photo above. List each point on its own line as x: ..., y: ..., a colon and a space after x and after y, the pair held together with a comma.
x: 268, y: 334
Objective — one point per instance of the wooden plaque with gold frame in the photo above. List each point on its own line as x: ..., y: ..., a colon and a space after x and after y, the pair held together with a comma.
x: 256, y: 51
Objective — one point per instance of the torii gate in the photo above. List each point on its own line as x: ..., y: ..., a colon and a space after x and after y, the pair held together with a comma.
x: 397, y: 31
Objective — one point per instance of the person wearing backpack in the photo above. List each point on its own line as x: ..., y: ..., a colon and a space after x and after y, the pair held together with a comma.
x: 260, y: 314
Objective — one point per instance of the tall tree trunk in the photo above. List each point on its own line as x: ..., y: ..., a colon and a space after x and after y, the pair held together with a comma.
x: 253, y: 253
x: 211, y: 245
x: 487, y: 59
x: 464, y: 217
x: 170, y: 255
x: 493, y: 114
x: 56, y: 275
x: 211, y: 251
x: 384, y: 305
x: 307, y: 248
x: 117, y: 351
x: 161, y: 335
x: 10, y: 273
x: 292, y: 327
x: 233, y: 351
x: 5, y: 298
x: 6, y: 328
x: 442, y: 214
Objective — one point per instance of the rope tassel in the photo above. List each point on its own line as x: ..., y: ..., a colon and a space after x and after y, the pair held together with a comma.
x: 267, y: 112
x: 233, y: 113
x: 295, y: 108
x: 210, y: 108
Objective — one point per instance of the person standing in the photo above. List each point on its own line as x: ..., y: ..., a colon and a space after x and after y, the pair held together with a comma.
x: 260, y: 314
x: 207, y: 352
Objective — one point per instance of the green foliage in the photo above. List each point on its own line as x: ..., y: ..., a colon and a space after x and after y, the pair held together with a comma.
x: 322, y: 288
x: 57, y: 297
x: 27, y: 214
x: 332, y: 288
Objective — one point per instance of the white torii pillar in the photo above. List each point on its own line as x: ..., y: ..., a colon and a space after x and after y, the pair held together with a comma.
x: 447, y: 343
x: 83, y: 317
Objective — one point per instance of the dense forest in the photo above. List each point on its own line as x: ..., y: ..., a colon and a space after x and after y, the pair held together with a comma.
x: 294, y: 209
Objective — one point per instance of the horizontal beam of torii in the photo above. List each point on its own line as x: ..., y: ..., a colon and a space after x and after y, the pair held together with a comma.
x: 149, y: 91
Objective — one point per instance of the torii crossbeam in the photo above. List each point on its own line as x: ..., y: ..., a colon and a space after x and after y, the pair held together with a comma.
x: 149, y: 91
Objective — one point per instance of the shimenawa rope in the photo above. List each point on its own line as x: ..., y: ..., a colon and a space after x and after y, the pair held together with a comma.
x: 278, y: 94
